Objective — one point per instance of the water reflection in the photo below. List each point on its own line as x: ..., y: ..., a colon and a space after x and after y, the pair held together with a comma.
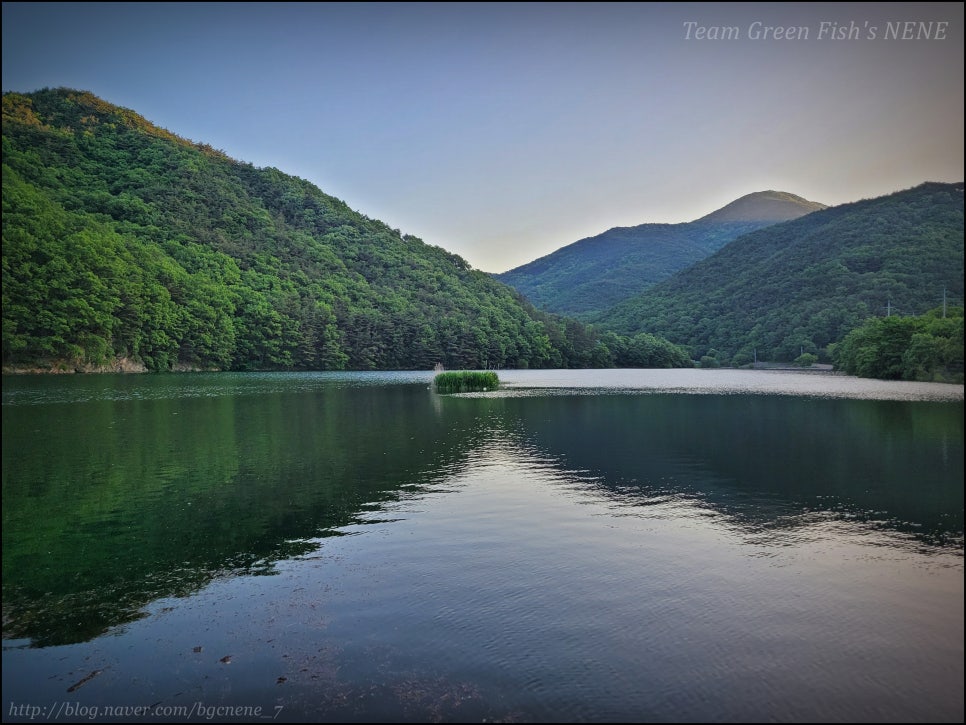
x: 117, y: 494
x: 111, y: 503
x: 547, y: 558
x: 770, y: 463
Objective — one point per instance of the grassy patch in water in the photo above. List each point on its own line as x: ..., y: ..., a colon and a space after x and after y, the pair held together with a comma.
x: 466, y: 381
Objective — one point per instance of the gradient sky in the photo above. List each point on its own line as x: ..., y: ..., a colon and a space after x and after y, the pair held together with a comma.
x: 503, y: 132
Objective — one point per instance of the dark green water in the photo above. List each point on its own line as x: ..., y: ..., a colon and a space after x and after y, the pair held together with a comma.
x: 361, y: 549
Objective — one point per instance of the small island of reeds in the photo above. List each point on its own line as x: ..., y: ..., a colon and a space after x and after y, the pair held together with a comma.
x: 466, y: 381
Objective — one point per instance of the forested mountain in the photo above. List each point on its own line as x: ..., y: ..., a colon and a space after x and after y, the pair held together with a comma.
x: 800, y: 285
x: 596, y: 273
x: 126, y: 244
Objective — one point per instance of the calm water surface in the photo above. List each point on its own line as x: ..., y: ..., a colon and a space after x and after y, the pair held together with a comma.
x: 581, y: 546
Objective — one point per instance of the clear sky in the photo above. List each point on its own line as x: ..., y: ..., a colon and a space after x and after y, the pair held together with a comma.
x: 504, y: 131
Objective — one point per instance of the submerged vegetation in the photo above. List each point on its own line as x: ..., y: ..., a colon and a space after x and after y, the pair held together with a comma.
x: 466, y: 381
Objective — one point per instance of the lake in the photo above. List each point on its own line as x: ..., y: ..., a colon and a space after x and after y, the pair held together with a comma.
x: 615, y: 545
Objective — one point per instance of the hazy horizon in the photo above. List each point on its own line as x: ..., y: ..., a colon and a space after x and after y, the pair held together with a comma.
x: 504, y: 132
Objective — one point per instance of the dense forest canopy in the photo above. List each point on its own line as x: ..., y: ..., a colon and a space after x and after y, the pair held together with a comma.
x: 927, y: 347
x: 799, y: 286
x: 124, y: 242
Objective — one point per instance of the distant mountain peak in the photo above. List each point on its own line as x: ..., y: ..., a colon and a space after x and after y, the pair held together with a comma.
x: 800, y: 285
x: 593, y: 274
x: 771, y: 206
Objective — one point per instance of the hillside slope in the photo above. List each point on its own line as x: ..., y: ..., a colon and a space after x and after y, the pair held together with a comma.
x: 594, y: 274
x: 798, y: 286
x: 127, y: 247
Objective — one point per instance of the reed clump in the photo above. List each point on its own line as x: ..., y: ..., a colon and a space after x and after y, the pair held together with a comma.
x: 466, y: 381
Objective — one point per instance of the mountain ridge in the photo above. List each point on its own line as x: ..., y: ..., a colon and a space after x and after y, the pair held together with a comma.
x: 592, y: 274
x: 798, y: 286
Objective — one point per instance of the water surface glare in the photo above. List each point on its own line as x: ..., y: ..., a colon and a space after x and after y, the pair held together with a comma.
x: 583, y: 546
